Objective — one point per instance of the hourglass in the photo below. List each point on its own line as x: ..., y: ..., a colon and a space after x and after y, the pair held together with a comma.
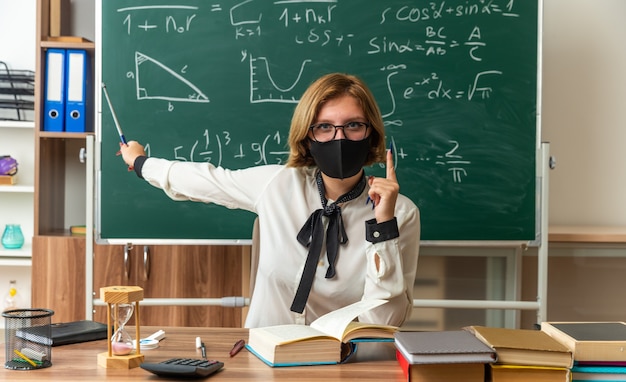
x: 120, y: 308
x: 121, y: 342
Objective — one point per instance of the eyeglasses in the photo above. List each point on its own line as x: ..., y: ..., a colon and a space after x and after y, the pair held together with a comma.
x: 325, y: 132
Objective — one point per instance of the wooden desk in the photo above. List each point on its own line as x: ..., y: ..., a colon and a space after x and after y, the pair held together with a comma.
x: 79, y: 362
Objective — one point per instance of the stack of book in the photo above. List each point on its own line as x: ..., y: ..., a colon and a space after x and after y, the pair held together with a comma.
x: 525, y: 355
x: 455, y: 355
x: 598, y: 348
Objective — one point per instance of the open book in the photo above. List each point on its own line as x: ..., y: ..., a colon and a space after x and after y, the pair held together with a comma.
x: 321, y: 342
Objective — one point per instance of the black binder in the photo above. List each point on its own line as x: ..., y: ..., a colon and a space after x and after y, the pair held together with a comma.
x: 64, y: 333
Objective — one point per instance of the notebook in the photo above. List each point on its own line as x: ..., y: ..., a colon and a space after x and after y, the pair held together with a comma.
x: 64, y: 333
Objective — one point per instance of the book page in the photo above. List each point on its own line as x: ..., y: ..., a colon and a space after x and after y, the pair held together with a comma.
x: 284, y: 334
x: 356, y: 330
x: 334, y: 323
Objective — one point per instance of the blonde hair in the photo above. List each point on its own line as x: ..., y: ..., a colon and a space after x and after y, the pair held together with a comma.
x: 327, y: 87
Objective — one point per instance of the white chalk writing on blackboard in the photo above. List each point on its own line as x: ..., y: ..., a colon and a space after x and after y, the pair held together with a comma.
x: 271, y: 150
x: 432, y: 40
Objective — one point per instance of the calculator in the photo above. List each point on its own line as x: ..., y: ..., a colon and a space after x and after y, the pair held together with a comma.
x: 184, y: 367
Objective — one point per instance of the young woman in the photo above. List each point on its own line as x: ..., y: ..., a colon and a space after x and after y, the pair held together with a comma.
x: 329, y: 234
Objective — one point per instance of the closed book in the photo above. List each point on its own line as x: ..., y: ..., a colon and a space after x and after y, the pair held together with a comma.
x: 524, y: 346
x: 524, y: 373
x: 452, y: 346
x: 78, y: 230
x: 441, y: 372
x: 328, y: 340
x: 8, y: 180
x: 600, y: 363
x: 64, y: 333
x: 598, y: 373
x: 590, y: 341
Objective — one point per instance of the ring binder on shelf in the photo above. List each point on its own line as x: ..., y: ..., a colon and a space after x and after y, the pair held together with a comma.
x: 54, y: 101
x: 76, y: 106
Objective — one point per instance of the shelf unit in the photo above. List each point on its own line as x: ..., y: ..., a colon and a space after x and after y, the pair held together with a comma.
x: 53, y: 152
x: 59, y: 196
x: 16, y: 206
x: 17, y: 124
x: 16, y: 201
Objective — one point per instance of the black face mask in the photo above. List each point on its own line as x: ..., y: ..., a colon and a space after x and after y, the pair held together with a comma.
x: 340, y: 158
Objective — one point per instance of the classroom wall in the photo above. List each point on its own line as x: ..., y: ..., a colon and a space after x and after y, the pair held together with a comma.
x: 17, y: 33
x: 584, y: 110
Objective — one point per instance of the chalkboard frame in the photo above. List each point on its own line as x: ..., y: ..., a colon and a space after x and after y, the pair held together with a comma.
x: 103, y: 129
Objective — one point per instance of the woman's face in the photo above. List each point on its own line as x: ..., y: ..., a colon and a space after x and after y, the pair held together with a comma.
x: 340, y: 153
x: 340, y: 111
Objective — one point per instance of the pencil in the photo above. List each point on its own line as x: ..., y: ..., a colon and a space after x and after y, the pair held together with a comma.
x: 21, y: 355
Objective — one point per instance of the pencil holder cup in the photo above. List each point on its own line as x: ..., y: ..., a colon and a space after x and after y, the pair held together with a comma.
x: 28, y: 338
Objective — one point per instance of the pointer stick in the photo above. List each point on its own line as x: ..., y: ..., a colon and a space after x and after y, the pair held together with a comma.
x: 117, y: 124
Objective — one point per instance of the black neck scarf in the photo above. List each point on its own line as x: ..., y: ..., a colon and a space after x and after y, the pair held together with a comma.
x: 311, y: 235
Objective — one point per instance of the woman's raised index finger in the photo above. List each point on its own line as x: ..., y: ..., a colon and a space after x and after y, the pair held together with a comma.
x: 391, y: 172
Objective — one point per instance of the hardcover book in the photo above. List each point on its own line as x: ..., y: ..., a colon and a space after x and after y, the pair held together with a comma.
x: 8, y: 180
x: 524, y: 346
x: 598, y: 373
x: 524, y: 373
x: 325, y: 341
x: 454, y: 346
x: 78, y: 230
x: 64, y: 333
x: 435, y: 372
x: 590, y: 341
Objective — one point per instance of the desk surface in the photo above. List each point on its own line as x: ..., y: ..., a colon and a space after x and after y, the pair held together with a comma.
x: 79, y: 362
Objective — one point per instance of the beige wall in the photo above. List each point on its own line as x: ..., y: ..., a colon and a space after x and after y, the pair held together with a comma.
x: 584, y: 284
x: 17, y: 33
x: 584, y: 110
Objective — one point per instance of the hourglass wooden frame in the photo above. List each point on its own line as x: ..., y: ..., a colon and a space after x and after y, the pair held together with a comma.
x: 121, y: 295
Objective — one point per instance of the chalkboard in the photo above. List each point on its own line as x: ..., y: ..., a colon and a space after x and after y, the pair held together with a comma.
x: 195, y: 80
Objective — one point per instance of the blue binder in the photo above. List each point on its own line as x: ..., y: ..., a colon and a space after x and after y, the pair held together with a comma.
x: 54, y: 100
x: 77, y: 107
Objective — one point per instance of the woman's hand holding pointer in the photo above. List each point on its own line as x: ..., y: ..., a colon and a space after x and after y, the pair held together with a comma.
x: 130, y: 151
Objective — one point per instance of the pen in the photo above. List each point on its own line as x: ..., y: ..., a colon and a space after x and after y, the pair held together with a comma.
x: 237, y: 347
x: 117, y: 124
x: 369, y: 199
